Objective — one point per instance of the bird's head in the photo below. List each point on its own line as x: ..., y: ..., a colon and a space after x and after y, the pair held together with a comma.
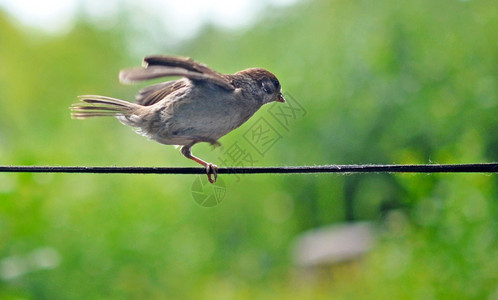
x: 265, y: 84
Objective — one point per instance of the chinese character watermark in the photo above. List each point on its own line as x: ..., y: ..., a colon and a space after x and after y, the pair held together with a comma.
x: 262, y: 136
x: 258, y: 139
x: 287, y: 112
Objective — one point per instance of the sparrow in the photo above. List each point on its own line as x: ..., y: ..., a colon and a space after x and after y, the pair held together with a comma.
x: 202, y: 106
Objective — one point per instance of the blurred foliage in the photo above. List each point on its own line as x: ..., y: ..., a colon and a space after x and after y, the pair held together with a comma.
x: 380, y: 81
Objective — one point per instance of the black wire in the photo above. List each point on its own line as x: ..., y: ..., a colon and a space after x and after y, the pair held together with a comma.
x: 425, y: 168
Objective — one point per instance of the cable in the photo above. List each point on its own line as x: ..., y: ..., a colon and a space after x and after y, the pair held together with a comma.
x: 423, y: 168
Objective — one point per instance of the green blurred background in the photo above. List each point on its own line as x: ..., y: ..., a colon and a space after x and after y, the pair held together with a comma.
x: 380, y: 82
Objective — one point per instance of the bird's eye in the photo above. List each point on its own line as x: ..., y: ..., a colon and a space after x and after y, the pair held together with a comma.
x: 266, y: 87
x: 276, y: 83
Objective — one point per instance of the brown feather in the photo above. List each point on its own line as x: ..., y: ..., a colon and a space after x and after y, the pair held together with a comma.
x: 165, y: 66
x: 155, y: 93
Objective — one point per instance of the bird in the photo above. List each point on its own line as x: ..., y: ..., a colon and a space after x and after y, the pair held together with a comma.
x: 201, y: 106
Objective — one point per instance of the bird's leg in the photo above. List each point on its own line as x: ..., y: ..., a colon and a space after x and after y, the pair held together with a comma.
x: 211, y: 169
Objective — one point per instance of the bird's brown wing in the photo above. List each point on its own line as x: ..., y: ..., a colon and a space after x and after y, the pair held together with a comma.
x: 164, y: 66
x: 180, y: 62
x: 155, y: 93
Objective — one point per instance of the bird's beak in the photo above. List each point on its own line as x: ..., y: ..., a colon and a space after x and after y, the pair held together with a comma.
x: 280, y: 98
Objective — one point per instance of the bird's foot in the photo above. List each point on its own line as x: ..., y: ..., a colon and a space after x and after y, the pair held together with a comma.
x: 215, y: 144
x: 212, y: 171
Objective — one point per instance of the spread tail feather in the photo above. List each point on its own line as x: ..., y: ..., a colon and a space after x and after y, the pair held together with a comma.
x: 101, y: 106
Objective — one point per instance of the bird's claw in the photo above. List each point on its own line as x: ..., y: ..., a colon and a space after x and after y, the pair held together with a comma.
x: 212, y: 170
x: 216, y: 144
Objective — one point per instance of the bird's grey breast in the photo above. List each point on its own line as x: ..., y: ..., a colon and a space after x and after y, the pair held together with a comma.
x: 208, y: 112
